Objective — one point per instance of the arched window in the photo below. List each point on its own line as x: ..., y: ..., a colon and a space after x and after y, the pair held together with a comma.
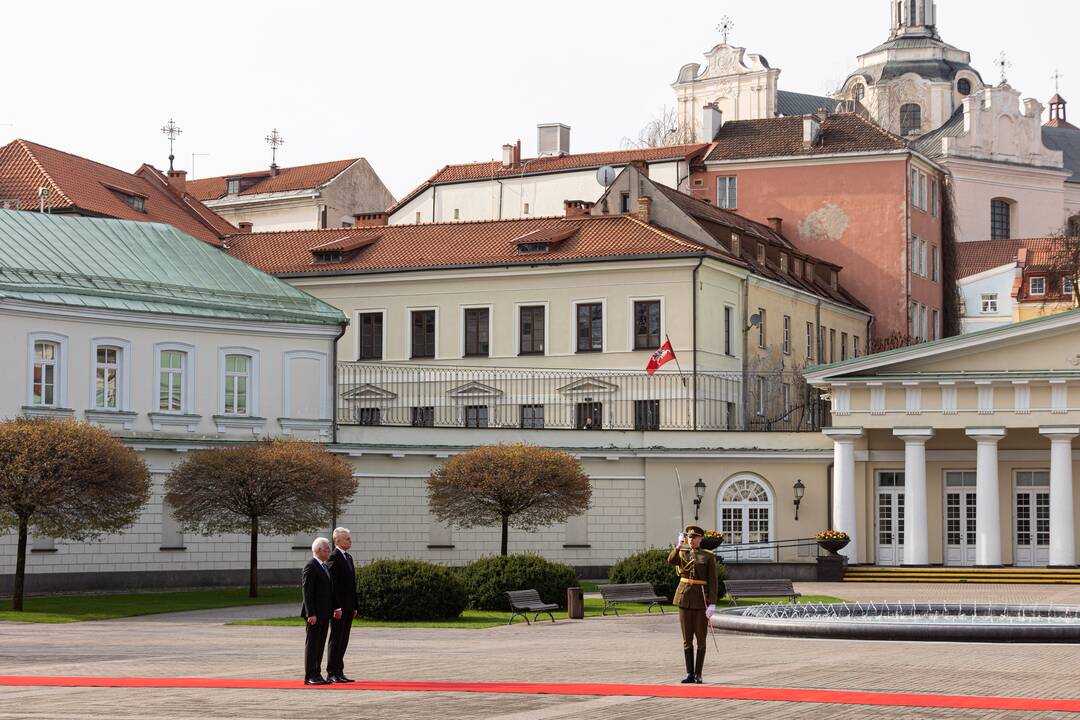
x: 963, y: 86
x: 910, y: 118
x: 858, y: 92
x: 1000, y: 219
x: 746, y: 514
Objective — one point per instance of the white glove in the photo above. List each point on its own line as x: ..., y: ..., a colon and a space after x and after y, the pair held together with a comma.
x: 710, y: 611
x: 682, y: 538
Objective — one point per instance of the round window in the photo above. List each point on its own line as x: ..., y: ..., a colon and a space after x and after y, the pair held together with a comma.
x: 963, y: 86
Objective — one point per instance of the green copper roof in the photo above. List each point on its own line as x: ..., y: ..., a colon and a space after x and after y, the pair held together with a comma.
x: 140, y: 267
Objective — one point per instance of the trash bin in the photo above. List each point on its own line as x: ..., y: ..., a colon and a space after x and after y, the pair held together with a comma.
x: 575, y: 603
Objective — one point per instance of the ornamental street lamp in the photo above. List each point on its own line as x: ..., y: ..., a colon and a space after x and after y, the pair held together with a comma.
x: 800, y: 490
x: 699, y: 494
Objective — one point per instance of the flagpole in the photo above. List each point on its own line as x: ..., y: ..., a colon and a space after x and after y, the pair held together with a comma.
x: 682, y: 375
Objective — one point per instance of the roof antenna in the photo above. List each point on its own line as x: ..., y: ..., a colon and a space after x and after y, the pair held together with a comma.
x: 274, y: 140
x: 171, y: 130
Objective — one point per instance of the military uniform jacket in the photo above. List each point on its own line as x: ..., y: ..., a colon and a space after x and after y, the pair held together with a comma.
x: 703, y: 568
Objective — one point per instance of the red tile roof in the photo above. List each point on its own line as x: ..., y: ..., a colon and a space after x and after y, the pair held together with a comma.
x: 301, y: 177
x: 553, y: 164
x: 783, y: 137
x: 400, y: 247
x: 979, y: 256
x: 82, y: 186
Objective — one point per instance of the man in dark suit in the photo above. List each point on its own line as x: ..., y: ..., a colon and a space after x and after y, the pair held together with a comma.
x: 317, y: 609
x: 346, y: 600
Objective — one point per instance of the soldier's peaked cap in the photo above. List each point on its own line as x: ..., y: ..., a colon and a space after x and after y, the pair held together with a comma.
x: 694, y: 531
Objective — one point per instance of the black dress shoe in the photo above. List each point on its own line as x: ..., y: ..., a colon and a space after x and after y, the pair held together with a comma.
x: 338, y: 679
x: 688, y: 679
x: 317, y: 680
x: 698, y: 680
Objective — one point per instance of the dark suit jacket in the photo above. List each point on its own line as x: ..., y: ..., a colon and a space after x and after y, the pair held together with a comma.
x: 344, y: 575
x: 318, y: 592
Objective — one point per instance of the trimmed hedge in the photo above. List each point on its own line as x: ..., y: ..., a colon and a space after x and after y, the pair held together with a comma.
x: 409, y: 590
x: 486, y: 580
x: 651, y: 566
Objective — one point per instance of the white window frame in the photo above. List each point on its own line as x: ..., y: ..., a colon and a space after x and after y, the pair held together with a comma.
x: 60, y: 365
x: 810, y: 341
x: 1031, y: 285
x: 935, y: 261
x: 935, y: 206
x: 630, y: 318
x: 187, y: 379
x: 988, y: 303
x: 461, y: 326
x: 253, y: 404
x: 408, y: 331
x: 603, y: 325
x: 762, y: 388
x: 729, y: 330
x: 723, y: 199
x: 763, y: 337
x: 787, y: 335
x: 325, y: 381
x: 356, y: 323
x: 547, y: 327
x: 123, y: 372
x: 1067, y: 286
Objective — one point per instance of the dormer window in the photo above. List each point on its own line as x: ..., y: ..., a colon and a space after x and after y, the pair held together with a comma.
x: 132, y: 200
x: 233, y: 187
x: 327, y: 256
x: 736, y: 250
x: 810, y: 271
x: 798, y: 267
x: 543, y: 240
x: 761, y: 253
x: 783, y: 262
x: 963, y: 86
x: 538, y: 247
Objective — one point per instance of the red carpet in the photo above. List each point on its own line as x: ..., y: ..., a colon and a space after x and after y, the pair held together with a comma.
x: 714, y: 692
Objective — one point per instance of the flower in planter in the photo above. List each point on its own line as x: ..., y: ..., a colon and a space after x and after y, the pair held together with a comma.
x: 832, y: 535
x: 714, y: 535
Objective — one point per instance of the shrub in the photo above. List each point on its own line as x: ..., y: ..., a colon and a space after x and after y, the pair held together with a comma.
x: 486, y: 580
x: 409, y: 590
x: 651, y: 566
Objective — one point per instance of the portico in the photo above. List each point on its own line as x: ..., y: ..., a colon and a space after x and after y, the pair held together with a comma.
x: 960, y: 452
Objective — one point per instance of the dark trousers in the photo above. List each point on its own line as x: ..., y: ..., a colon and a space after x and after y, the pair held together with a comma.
x: 313, y: 647
x: 339, y: 643
x: 694, y: 624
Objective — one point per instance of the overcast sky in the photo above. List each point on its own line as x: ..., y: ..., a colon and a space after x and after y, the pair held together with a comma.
x: 413, y: 86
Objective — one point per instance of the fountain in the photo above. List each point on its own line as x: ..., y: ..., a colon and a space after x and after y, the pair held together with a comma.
x: 958, y: 622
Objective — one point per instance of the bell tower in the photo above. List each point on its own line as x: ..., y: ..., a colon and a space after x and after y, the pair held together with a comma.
x: 913, y: 18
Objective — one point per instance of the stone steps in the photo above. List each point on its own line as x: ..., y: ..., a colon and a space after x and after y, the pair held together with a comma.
x: 1015, y: 576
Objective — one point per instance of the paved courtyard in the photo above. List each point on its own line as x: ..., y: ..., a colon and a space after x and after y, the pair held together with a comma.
x: 633, y: 649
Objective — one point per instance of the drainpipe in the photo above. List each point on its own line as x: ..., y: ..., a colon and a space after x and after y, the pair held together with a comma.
x: 694, y: 323
x: 434, y: 188
x: 908, y: 248
x: 334, y: 369
x: 745, y: 352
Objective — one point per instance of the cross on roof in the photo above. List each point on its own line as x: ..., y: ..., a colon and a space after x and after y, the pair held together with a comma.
x: 1003, y: 64
x: 725, y: 27
x: 1056, y: 77
x: 171, y: 130
x: 274, y: 140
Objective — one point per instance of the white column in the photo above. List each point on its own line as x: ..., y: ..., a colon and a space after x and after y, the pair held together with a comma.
x: 844, y: 511
x: 916, y: 535
x: 1062, y: 524
x: 987, y: 504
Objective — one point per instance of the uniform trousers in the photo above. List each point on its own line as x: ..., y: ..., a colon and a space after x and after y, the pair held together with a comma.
x: 694, y: 624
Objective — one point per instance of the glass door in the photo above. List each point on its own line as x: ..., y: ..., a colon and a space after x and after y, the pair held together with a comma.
x: 890, y: 517
x: 1031, y: 511
x: 960, y: 517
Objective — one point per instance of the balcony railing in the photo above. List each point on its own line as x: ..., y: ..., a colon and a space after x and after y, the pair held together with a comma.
x: 557, y: 399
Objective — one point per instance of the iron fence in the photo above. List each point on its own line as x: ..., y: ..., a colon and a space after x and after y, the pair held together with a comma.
x: 564, y: 399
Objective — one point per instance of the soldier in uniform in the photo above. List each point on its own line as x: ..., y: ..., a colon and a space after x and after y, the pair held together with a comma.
x: 695, y: 596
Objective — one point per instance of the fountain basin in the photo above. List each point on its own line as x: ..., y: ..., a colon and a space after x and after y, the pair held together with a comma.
x: 933, y: 622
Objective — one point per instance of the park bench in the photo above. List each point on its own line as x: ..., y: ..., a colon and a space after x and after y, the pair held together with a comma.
x: 523, y: 602
x: 737, y: 589
x: 630, y: 593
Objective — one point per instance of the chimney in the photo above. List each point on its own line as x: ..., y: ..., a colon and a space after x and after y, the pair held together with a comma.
x: 552, y: 139
x: 777, y: 225
x: 507, y: 156
x: 641, y: 166
x: 644, y: 206
x: 375, y: 219
x: 811, y: 131
x: 1021, y: 258
x: 517, y: 152
x: 578, y: 208
x: 274, y: 170
x: 245, y: 227
x: 177, y: 180
x: 712, y: 119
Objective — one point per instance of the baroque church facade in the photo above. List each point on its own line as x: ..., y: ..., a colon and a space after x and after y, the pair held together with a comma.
x: 1011, y: 175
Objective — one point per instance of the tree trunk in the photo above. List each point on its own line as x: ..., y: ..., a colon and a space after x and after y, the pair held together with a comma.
x: 505, y: 533
x: 20, y: 568
x: 253, y: 579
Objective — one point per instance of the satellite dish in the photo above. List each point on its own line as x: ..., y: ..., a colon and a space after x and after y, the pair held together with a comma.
x: 755, y: 320
x: 606, y: 176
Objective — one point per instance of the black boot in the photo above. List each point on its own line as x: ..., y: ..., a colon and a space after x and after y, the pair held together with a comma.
x: 699, y: 664
x: 688, y: 654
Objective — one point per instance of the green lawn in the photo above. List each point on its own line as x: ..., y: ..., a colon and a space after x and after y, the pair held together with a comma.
x: 74, y: 608
x: 477, y: 619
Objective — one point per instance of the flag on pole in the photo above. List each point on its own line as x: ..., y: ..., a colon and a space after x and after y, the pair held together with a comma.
x: 659, y: 358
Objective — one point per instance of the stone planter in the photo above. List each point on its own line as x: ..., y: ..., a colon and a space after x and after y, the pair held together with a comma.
x: 711, y: 543
x: 833, y: 546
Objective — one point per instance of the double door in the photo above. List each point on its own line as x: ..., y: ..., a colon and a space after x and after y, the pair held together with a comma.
x: 960, y: 517
x: 890, y: 517
x: 1031, y: 524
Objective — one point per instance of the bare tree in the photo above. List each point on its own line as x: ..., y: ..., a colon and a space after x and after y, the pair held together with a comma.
x: 275, y: 487
x: 662, y: 130
x: 1063, y: 264
x: 65, y: 480
x: 523, y: 485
